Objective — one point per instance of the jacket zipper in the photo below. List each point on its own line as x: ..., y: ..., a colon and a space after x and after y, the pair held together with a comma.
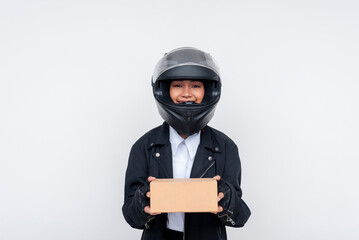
x: 146, y: 227
x: 229, y: 219
x: 207, y: 169
x: 146, y: 224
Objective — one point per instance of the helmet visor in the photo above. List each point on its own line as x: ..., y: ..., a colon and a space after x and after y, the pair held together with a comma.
x: 182, y: 57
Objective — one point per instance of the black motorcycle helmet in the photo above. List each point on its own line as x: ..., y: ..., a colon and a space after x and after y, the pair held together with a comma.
x: 186, y: 64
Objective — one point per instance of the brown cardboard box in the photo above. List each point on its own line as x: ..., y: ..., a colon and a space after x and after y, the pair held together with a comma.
x: 184, y: 195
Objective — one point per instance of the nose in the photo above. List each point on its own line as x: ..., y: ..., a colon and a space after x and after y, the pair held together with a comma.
x: 186, y: 91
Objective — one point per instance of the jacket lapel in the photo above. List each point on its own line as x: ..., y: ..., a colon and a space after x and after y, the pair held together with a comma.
x: 202, y: 161
x: 162, y: 153
x: 164, y: 160
x: 204, y: 157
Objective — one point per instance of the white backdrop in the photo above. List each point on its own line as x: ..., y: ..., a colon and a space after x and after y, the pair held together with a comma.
x: 75, y: 95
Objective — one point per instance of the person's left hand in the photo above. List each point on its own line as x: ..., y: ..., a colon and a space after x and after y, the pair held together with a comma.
x: 219, y: 196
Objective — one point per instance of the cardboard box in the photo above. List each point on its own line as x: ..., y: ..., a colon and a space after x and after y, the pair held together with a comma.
x: 184, y: 195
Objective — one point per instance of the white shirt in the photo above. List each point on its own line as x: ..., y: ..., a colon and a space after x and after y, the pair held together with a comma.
x: 183, y: 153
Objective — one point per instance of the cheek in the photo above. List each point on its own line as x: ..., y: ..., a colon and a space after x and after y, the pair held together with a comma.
x: 200, y: 95
x: 173, y: 93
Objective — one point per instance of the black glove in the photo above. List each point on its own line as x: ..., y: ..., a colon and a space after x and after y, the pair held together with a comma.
x: 141, y: 201
x: 226, y: 190
x: 227, y: 202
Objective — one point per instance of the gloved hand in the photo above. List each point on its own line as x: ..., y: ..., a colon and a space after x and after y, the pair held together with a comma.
x: 140, y: 196
x: 227, y: 200
x: 226, y: 190
x: 142, y: 200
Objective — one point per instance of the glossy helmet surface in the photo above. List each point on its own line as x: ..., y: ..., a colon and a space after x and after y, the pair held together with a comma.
x: 186, y: 64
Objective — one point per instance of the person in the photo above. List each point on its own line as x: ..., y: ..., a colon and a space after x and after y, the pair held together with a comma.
x: 187, y: 86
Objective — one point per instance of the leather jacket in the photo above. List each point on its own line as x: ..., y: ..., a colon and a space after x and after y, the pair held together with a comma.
x: 151, y: 155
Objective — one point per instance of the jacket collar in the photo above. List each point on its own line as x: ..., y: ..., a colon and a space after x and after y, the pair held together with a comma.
x: 207, y: 141
x: 163, y: 135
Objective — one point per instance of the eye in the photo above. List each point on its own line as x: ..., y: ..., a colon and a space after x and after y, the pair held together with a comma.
x: 176, y: 85
x: 196, y: 86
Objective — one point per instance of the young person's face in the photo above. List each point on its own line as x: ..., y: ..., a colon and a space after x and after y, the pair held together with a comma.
x: 187, y: 91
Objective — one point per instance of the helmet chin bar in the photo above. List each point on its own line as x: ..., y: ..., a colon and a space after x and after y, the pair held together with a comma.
x: 188, y: 121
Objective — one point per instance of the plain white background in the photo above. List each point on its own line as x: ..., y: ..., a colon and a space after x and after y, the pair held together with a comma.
x: 75, y: 95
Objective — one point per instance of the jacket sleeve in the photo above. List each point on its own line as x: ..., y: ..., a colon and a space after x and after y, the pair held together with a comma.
x: 136, y: 186
x: 237, y: 212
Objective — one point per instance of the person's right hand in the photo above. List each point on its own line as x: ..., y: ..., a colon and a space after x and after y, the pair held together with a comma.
x: 147, y: 209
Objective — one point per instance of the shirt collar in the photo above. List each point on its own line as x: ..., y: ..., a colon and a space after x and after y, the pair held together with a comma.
x: 175, y: 140
x: 191, y: 142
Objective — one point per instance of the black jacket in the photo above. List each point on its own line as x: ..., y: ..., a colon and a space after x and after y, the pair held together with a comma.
x: 151, y: 155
